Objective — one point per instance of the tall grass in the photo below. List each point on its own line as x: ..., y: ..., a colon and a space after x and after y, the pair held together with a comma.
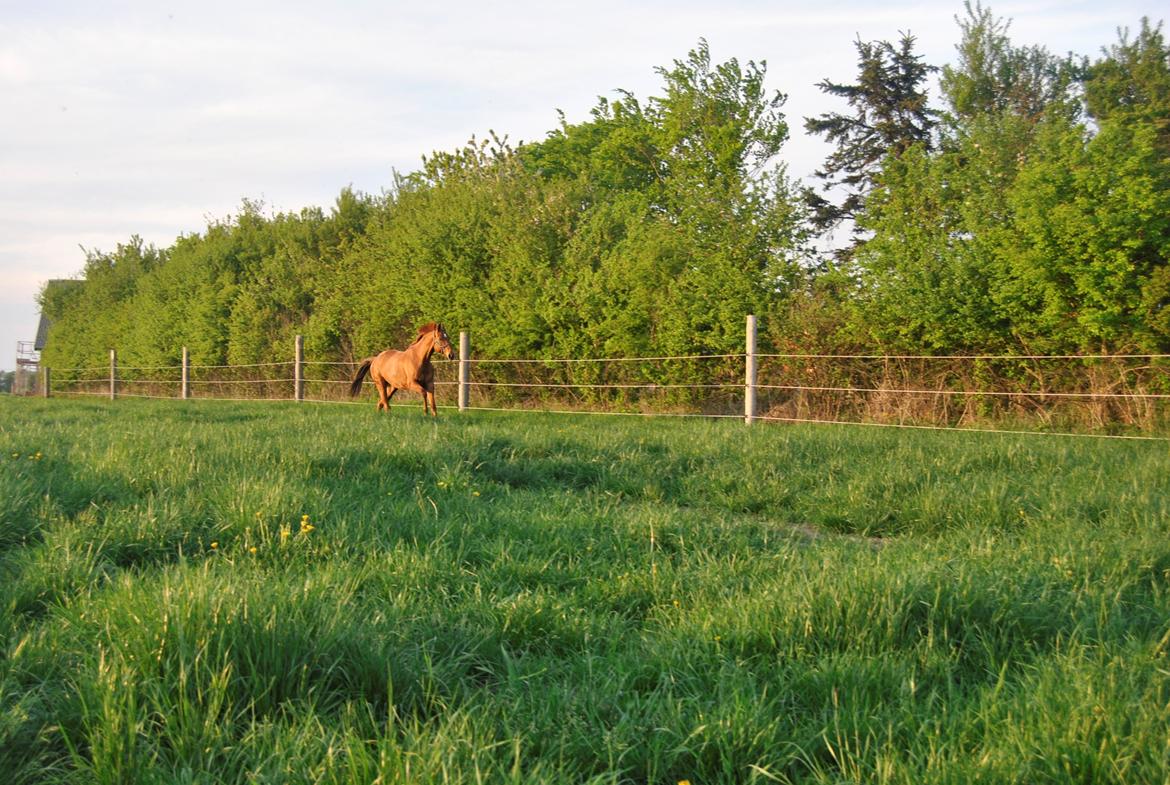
x: 216, y: 592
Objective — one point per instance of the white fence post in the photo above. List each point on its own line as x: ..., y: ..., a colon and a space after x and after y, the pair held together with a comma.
x: 113, y: 374
x: 185, y: 389
x: 464, y: 369
x: 749, y: 383
x: 298, y: 372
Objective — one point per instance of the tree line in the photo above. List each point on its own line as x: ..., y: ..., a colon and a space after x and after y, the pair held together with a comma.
x: 1025, y: 210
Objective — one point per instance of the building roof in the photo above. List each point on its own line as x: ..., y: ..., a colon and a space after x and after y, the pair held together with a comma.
x: 42, y: 333
x: 45, y: 323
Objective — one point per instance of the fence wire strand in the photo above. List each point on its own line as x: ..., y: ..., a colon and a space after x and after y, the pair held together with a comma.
x: 1004, y: 357
x: 568, y: 360
x: 955, y: 429
x: 1002, y: 393
x: 520, y: 410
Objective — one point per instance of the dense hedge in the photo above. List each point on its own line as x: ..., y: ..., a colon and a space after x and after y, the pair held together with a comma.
x: 651, y: 228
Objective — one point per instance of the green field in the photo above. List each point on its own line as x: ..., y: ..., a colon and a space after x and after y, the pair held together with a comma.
x: 224, y: 592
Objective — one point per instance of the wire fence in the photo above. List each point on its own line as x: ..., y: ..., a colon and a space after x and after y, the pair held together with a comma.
x: 1122, y: 395
x: 1096, y: 393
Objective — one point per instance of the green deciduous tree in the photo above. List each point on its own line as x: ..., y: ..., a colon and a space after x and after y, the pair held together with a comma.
x: 1131, y: 83
x: 1030, y: 215
x: 992, y: 76
x: 1090, y: 231
x: 1026, y: 229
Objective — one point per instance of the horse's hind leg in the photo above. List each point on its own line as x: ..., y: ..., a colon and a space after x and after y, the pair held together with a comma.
x: 383, y: 397
x: 429, y: 398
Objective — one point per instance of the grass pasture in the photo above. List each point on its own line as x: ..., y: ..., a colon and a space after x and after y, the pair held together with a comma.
x: 212, y: 592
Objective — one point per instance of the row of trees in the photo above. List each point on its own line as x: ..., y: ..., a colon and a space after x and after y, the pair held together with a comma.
x: 1029, y: 211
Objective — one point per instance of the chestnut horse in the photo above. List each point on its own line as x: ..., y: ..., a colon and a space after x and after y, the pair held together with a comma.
x: 409, y: 369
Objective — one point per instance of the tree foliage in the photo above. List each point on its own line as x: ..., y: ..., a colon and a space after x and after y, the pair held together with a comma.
x: 653, y: 226
x: 1030, y: 212
x: 889, y: 114
x: 1029, y: 229
x: 992, y: 76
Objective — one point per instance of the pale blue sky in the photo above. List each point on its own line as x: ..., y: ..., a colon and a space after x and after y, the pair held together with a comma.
x: 149, y: 118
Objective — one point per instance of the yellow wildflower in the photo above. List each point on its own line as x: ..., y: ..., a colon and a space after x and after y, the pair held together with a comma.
x: 252, y: 550
x: 214, y: 545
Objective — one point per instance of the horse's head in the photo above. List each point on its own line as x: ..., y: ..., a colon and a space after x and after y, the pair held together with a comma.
x: 443, y: 343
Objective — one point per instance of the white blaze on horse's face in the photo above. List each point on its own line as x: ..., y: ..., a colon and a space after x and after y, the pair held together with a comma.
x: 445, y: 347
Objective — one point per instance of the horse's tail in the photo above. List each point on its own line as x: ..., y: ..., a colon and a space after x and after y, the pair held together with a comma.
x: 356, y: 386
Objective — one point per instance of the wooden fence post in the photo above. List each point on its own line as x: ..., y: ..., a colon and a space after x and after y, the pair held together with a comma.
x: 113, y: 374
x: 464, y: 369
x: 749, y: 383
x: 46, y: 382
x: 185, y: 389
x: 298, y: 371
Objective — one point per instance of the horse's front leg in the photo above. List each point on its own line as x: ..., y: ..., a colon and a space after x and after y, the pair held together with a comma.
x: 425, y: 390
x: 429, y: 398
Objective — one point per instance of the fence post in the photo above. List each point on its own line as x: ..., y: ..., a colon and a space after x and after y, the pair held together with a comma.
x: 46, y: 382
x: 464, y: 369
x: 185, y: 389
x: 749, y: 382
x: 298, y: 371
x: 113, y: 374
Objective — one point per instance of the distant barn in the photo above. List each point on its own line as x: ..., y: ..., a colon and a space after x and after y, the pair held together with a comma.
x: 52, y: 293
x: 25, y: 381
